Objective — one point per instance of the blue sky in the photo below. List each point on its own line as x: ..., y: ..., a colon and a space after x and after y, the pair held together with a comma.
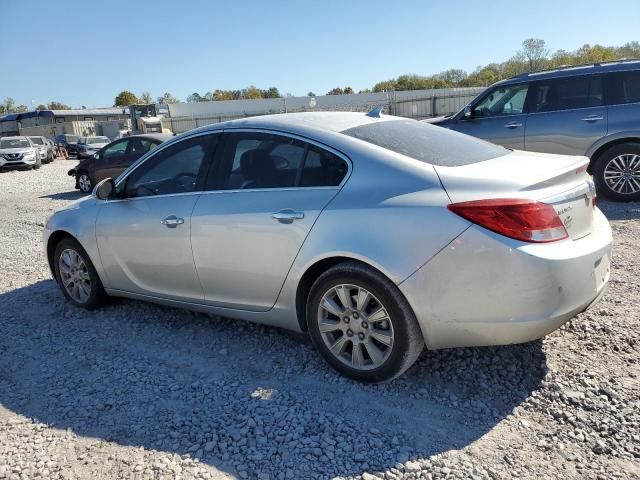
x: 84, y: 52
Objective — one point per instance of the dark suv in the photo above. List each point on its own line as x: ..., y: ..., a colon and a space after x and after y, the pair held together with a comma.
x: 591, y: 110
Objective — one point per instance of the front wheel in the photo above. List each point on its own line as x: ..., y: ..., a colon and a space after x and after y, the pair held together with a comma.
x: 77, y: 276
x: 85, y: 184
x: 362, y: 324
x: 38, y: 163
x: 617, y: 173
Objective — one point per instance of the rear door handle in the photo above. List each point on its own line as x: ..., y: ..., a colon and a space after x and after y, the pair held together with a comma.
x: 172, y: 221
x: 592, y: 118
x: 287, y: 215
x: 512, y: 125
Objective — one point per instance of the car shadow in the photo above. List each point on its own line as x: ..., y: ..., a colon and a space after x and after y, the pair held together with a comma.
x: 620, y: 210
x: 176, y: 381
x: 71, y: 195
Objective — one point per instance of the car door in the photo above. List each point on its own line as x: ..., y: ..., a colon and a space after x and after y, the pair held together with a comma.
x: 499, y: 116
x: 107, y: 165
x: 144, y: 234
x: 566, y: 115
x: 258, y: 207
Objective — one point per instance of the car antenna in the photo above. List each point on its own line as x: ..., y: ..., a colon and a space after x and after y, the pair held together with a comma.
x: 376, y: 112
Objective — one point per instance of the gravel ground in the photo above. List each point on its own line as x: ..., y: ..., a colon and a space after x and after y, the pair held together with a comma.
x: 140, y: 391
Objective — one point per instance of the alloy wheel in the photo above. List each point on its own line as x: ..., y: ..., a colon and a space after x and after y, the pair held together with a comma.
x: 355, y: 326
x: 84, y: 182
x: 74, y: 275
x: 622, y: 174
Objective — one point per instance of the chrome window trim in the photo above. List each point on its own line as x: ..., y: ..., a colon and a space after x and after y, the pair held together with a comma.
x: 294, y: 136
x: 301, y: 138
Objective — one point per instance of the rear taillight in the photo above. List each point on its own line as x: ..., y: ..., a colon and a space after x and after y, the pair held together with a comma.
x: 517, y: 218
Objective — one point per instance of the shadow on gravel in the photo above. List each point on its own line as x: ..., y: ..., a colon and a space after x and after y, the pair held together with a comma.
x: 72, y: 195
x: 620, y: 210
x: 244, y: 398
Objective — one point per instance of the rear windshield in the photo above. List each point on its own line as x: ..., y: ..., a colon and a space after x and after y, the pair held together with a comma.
x: 14, y: 143
x: 427, y: 143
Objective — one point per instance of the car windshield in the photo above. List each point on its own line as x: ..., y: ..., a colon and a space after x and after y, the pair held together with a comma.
x: 97, y: 140
x: 37, y: 141
x: 427, y: 143
x: 14, y: 143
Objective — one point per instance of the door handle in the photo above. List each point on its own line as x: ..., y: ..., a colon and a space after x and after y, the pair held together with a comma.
x: 592, y: 118
x: 287, y: 215
x: 172, y: 221
x: 512, y: 125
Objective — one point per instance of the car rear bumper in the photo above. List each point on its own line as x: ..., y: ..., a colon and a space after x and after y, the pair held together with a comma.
x: 485, y: 289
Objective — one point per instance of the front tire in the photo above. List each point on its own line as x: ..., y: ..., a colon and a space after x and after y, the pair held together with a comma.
x: 362, y: 324
x: 85, y: 183
x: 77, y: 276
x: 38, y: 163
x: 617, y: 173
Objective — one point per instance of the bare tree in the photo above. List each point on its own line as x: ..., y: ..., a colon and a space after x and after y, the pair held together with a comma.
x: 534, y: 52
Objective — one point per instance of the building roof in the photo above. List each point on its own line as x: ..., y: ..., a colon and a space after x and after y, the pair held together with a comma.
x: 88, y: 111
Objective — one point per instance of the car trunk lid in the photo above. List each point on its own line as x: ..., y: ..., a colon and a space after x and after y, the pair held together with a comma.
x: 558, y: 180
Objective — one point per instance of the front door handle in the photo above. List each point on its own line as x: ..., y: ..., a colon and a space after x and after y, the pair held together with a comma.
x: 172, y: 221
x: 592, y: 118
x: 287, y: 215
x: 512, y: 125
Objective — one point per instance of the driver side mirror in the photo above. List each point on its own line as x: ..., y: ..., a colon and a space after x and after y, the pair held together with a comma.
x: 105, y: 189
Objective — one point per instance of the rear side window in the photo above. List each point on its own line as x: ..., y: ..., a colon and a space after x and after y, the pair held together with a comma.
x: 254, y: 160
x: 623, y: 87
x: 427, y: 143
x: 567, y: 93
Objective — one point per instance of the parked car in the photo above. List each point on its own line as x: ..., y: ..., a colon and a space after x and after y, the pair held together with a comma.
x: 87, y: 146
x: 112, y: 159
x: 364, y: 232
x: 46, y: 155
x: 69, y: 142
x: 19, y: 152
x: 591, y: 110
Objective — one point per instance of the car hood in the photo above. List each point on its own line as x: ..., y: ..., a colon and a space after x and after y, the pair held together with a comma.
x: 83, y: 164
x: 15, y: 150
x: 96, y: 146
x: 438, y: 120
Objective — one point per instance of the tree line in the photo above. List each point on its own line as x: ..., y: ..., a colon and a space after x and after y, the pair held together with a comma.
x: 533, y: 56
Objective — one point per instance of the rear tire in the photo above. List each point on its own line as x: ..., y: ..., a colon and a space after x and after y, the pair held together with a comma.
x: 77, y: 276
x: 38, y: 163
x: 373, y: 334
x: 617, y: 173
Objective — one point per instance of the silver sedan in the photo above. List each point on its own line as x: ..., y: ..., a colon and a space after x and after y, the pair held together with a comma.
x: 374, y: 234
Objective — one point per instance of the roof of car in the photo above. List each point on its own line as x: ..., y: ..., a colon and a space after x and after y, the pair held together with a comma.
x: 163, y: 137
x: 328, y: 121
x: 572, y: 70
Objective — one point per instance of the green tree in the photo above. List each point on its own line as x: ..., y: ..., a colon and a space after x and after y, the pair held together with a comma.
x: 194, y: 97
x: 125, y: 98
x: 271, y: 92
x: 335, y: 91
x: 145, y: 97
x: 42, y: 106
x: 53, y: 105
x: 347, y: 90
x: 251, y: 93
x: 311, y: 94
x: 385, y: 86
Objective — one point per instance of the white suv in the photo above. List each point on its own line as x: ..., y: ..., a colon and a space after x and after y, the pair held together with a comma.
x: 18, y: 152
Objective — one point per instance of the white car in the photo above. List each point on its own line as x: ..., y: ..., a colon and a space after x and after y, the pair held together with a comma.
x: 16, y: 152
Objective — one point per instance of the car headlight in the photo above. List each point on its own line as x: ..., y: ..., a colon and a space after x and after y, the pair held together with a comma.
x: 29, y: 155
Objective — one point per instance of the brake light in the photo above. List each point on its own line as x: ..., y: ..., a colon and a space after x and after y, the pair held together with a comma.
x: 517, y: 218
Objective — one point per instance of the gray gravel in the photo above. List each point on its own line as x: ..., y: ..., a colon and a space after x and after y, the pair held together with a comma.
x: 140, y: 391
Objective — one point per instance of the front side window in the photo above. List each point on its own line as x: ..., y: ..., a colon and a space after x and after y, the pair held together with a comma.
x: 115, y: 150
x: 508, y: 100
x: 623, y: 87
x: 172, y: 170
x: 567, y: 93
